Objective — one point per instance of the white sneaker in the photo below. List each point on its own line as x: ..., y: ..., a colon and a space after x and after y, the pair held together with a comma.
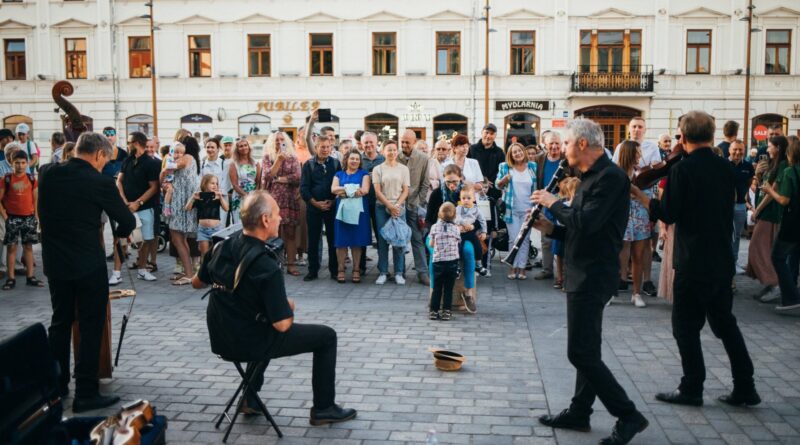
x: 381, y: 279
x: 611, y: 300
x: 637, y: 301
x: 145, y: 275
x: 399, y: 279
x: 771, y: 296
x: 114, y: 280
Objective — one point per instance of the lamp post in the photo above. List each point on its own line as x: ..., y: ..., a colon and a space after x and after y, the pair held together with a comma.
x: 152, y: 66
x: 750, y: 31
x: 486, y: 9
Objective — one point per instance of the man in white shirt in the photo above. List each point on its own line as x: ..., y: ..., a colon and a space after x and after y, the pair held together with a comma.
x: 651, y: 154
x: 214, y: 164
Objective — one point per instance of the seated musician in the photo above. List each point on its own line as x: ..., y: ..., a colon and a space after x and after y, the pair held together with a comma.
x: 255, y: 319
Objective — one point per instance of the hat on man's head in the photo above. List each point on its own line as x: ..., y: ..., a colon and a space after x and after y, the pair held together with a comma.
x: 6, y: 133
x: 228, y: 140
x: 22, y: 128
x: 491, y: 127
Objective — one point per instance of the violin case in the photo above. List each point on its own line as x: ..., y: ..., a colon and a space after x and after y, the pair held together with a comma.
x: 31, y: 409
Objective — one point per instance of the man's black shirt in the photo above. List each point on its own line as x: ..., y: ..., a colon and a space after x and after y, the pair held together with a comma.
x: 488, y: 158
x: 72, y: 196
x: 316, y: 179
x: 137, y: 172
x: 233, y: 329
x: 743, y: 173
x: 698, y: 199
x: 593, y: 228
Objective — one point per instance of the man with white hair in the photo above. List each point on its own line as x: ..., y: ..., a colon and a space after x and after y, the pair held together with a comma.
x: 593, y: 226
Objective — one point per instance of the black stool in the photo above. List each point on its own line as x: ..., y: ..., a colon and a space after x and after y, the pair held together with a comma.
x: 245, y: 388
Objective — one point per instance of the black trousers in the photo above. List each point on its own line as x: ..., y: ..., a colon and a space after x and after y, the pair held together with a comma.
x: 694, y: 303
x: 89, y: 295
x: 444, y: 278
x: 374, y: 224
x: 584, y: 339
x: 302, y: 338
x: 314, y: 220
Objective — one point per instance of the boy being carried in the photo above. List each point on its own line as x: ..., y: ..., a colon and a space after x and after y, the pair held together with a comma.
x: 473, y: 225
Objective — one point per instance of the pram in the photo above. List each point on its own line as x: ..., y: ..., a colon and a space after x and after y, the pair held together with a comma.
x: 499, y: 239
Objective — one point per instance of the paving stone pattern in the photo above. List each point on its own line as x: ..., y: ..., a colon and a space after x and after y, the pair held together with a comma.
x: 516, y: 366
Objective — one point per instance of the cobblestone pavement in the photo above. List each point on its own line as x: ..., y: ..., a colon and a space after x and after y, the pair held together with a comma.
x: 516, y: 369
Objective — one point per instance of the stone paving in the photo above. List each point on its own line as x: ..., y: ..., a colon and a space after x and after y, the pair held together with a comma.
x: 516, y: 369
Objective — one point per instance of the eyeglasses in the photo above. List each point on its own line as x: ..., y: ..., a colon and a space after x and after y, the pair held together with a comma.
x: 110, y: 133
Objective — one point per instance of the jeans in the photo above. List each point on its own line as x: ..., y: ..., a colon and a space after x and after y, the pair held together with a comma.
x: 783, y: 253
x: 89, y: 294
x: 472, y: 238
x: 584, y: 342
x: 695, y: 302
x: 444, y: 274
x: 739, y: 222
x: 467, y: 254
x: 398, y: 253
x: 514, y: 227
x: 299, y: 339
x: 314, y: 220
x: 417, y: 242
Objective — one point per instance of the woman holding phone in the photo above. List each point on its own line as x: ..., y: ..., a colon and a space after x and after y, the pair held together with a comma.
x: 280, y: 176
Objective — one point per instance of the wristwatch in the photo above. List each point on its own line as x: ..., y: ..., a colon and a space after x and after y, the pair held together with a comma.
x: 141, y: 203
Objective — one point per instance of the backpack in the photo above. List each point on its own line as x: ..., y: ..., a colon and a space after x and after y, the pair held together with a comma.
x: 790, y: 223
x: 7, y: 179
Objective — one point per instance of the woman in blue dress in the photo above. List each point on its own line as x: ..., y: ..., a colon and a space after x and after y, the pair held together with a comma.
x: 352, y: 225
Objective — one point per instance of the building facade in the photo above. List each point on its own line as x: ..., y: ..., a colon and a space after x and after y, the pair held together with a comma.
x: 247, y: 68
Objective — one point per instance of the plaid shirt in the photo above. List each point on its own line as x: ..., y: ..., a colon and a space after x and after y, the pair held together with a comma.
x: 445, y: 238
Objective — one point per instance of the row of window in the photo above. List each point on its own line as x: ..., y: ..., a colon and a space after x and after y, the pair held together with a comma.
x: 600, y: 51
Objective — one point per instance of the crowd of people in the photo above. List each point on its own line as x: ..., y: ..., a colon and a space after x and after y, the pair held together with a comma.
x: 363, y: 192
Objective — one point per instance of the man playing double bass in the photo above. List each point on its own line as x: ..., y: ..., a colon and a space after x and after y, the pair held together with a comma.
x: 698, y: 199
x: 593, y: 229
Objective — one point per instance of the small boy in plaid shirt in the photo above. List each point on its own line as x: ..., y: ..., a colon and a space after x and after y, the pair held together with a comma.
x: 444, y: 238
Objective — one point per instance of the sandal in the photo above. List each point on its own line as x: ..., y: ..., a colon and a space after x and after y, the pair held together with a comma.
x: 182, y: 281
x: 10, y: 284
x: 511, y: 276
x: 177, y: 276
x: 32, y: 281
x: 340, y: 278
x: 291, y: 269
x: 116, y: 294
x: 356, y: 277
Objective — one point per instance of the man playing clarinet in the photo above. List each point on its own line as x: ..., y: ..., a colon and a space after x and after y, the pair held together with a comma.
x: 699, y: 199
x: 593, y: 229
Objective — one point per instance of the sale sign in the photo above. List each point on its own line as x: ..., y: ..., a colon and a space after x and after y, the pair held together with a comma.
x: 760, y: 132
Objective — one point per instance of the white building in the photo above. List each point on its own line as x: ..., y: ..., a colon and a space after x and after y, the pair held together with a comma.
x: 229, y: 66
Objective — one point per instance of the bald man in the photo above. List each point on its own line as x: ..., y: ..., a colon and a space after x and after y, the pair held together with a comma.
x: 417, y: 163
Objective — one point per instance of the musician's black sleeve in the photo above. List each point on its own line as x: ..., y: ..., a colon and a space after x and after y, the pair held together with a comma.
x: 668, y: 208
x: 111, y: 202
x: 597, y: 205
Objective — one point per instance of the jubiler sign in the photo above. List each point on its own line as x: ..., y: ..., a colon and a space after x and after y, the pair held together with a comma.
x: 288, y: 105
x: 506, y: 105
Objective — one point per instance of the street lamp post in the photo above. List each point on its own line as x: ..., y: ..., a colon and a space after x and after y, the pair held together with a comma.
x: 749, y: 20
x: 153, y: 66
x: 486, y: 9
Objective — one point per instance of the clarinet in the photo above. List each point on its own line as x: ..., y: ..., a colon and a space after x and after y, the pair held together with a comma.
x: 522, y: 236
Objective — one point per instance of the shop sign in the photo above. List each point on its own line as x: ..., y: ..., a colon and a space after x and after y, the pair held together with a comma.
x: 760, y: 132
x: 287, y: 105
x: 196, y: 119
x: 416, y: 113
x: 507, y: 105
x: 559, y: 123
x: 795, y: 112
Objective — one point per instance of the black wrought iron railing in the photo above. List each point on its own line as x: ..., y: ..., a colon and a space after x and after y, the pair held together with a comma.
x: 619, y: 78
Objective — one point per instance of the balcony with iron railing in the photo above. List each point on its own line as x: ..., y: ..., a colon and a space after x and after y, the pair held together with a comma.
x: 616, y: 78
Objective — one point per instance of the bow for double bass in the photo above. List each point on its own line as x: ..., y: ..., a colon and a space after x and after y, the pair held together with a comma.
x: 120, y: 244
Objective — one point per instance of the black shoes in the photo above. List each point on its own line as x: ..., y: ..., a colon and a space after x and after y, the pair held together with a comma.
x: 81, y: 404
x: 739, y: 398
x: 649, y: 288
x: 311, y: 277
x: 623, y: 286
x: 624, y: 430
x: 678, y: 398
x: 334, y: 414
x: 566, y: 420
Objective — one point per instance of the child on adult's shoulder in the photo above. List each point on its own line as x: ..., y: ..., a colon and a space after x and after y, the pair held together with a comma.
x: 444, y: 238
x: 473, y: 225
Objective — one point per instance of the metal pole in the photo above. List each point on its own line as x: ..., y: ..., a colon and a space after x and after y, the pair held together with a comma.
x: 153, y: 69
x: 746, y: 135
x: 486, y: 69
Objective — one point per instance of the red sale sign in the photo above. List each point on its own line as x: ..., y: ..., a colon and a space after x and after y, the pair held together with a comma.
x: 760, y: 132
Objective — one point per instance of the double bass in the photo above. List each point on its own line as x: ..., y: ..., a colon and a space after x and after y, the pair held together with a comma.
x: 650, y: 175
x: 73, y: 122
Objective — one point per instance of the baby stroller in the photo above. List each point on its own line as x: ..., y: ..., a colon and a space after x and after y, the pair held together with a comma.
x: 500, y: 239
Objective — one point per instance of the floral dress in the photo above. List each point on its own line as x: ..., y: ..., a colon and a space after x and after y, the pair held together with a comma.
x: 247, y: 181
x: 286, y: 194
x: 186, y: 182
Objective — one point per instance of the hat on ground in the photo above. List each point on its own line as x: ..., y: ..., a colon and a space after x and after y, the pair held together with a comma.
x: 491, y: 127
x: 22, y: 128
x: 227, y: 140
x: 6, y: 133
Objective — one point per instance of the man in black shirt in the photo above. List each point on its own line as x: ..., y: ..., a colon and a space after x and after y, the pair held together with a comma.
x: 699, y: 199
x: 489, y: 157
x: 256, y: 319
x: 316, y: 178
x: 71, y: 197
x: 593, y: 228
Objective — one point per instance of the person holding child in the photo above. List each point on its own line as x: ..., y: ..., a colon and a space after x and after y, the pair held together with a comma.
x: 184, y: 221
x: 472, y: 225
x: 209, y: 203
x: 444, y: 239
x: 517, y: 179
x: 18, y: 199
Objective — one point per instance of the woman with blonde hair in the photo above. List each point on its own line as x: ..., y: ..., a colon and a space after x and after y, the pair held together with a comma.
x: 439, y: 154
x: 245, y: 175
x: 280, y: 176
x: 517, y: 179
